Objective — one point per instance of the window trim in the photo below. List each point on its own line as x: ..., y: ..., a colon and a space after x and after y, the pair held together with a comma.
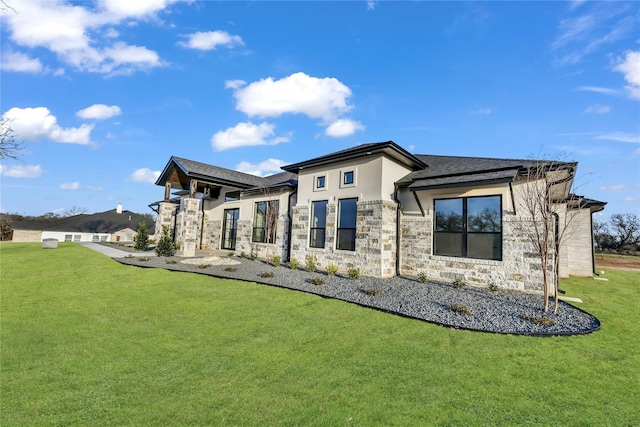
x: 311, y: 228
x: 316, y: 186
x: 353, y: 229
x: 465, y: 233
x: 343, y: 178
x: 228, y: 197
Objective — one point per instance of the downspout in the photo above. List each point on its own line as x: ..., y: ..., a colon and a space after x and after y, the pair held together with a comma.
x: 398, y: 208
x: 513, y: 200
x: 290, y: 226
x: 593, y: 248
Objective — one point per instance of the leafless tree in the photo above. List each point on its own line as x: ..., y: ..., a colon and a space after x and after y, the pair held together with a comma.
x: 550, y: 209
x: 626, y: 230
x: 74, y: 210
x: 9, y: 148
x: 6, y: 7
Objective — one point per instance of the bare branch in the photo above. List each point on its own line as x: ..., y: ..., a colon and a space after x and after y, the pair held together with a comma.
x: 9, y: 148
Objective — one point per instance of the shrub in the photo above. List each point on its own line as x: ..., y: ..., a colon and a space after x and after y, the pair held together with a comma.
x: 144, y: 258
x: 539, y: 321
x: 372, y: 292
x: 460, y: 308
x: 253, y: 255
x: 459, y: 283
x: 332, y: 269
x: 353, y: 273
x: 230, y: 269
x: 267, y: 275
x: 243, y: 255
x: 170, y: 261
x: 165, y: 246
x: 422, y: 278
x: 230, y: 254
x: 203, y: 266
x: 276, y: 260
x: 129, y: 256
x: 142, y: 237
x: 311, y: 264
x: 294, y: 264
x: 317, y: 281
x: 493, y: 287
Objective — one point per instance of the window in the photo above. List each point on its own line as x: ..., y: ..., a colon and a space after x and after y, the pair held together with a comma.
x: 347, y: 178
x: 230, y: 228
x: 76, y: 237
x: 96, y: 238
x: 318, y: 224
x: 347, y: 213
x: 232, y: 196
x: 68, y: 238
x: 265, y: 220
x: 468, y: 227
x: 320, y: 181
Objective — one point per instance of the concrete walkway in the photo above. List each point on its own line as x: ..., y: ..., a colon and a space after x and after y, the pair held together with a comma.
x: 113, y: 252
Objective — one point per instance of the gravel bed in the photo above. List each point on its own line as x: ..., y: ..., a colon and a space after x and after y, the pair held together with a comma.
x: 506, y: 312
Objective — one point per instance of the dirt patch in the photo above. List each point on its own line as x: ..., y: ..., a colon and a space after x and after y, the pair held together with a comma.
x: 618, y: 262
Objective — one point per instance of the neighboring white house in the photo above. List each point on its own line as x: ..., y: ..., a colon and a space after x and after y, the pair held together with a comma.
x: 114, y: 225
x: 381, y: 209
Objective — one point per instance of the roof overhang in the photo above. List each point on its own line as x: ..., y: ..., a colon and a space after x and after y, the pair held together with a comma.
x: 389, y: 148
x: 467, y: 180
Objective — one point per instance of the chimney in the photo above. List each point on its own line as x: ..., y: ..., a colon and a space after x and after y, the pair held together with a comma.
x: 119, y: 208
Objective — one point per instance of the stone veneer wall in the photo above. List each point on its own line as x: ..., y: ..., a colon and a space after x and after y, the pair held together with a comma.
x: 375, y: 253
x: 166, y: 216
x: 262, y: 250
x: 519, y: 269
x: 189, y: 221
x: 212, y: 233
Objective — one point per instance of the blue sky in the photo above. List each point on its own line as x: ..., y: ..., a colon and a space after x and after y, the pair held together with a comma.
x: 104, y: 92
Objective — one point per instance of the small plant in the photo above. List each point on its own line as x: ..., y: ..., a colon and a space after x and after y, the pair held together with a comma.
x: 276, y: 260
x: 311, y: 264
x: 422, y: 278
x: 372, y: 292
x: 230, y: 269
x: 165, y: 246
x: 294, y: 264
x: 230, y: 254
x: 459, y: 283
x: 332, y: 269
x: 203, y: 266
x: 267, y: 275
x: 353, y: 273
x: 539, y: 321
x: 144, y: 258
x: 253, y: 255
x: 170, y: 261
x: 243, y: 255
x: 129, y: 256
x: 317, y: 281
x: 493, y: 287
x: 142, y: 237
x: 460, y: 308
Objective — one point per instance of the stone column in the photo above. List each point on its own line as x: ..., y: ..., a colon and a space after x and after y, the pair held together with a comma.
x: 190, y: 226
x: 166, y: 216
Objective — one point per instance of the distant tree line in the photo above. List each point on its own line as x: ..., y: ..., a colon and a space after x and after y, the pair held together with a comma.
x: 620, y: 234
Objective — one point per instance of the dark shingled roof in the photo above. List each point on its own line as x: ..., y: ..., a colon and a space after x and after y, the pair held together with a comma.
x: 389, y: 148
x: 102, y: 222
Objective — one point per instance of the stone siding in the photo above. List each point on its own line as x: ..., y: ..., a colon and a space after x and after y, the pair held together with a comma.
x: 519, y: 269
x: 188, y: 226
x: 166, y: 216
x: 375, y: 249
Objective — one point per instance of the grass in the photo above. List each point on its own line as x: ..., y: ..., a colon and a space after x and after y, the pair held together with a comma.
x: 87, y: 341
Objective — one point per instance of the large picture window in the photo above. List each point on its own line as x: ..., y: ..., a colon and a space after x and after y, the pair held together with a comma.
x: 347, y: 213
x: 265, y: 221
x: 318, y: 224
x: 468, y: 227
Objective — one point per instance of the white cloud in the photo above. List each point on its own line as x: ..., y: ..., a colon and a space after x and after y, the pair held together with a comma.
x: 210, y: 40
x: 19, y: 62
x: 621, y: 188
x: 84, y: 37
x: 371, y: 4
x: 597, y: 89
x: 246, y: 134
x: 482, y: 112
x: 38, y: 124
x: 70, y: 185
x: 630, y: 67
x: 343, y: 127
x: 99, y: 112
x: 144, y: 175
x: 319, y: 98
x: 20, y: 171
x: 598, y: 24
x: 266, y: 167
x: 598, y: 109
x: 621, y: 137
x: 234, y: 84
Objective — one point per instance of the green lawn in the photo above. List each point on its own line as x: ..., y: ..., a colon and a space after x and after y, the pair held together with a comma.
x: 87, y: 341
